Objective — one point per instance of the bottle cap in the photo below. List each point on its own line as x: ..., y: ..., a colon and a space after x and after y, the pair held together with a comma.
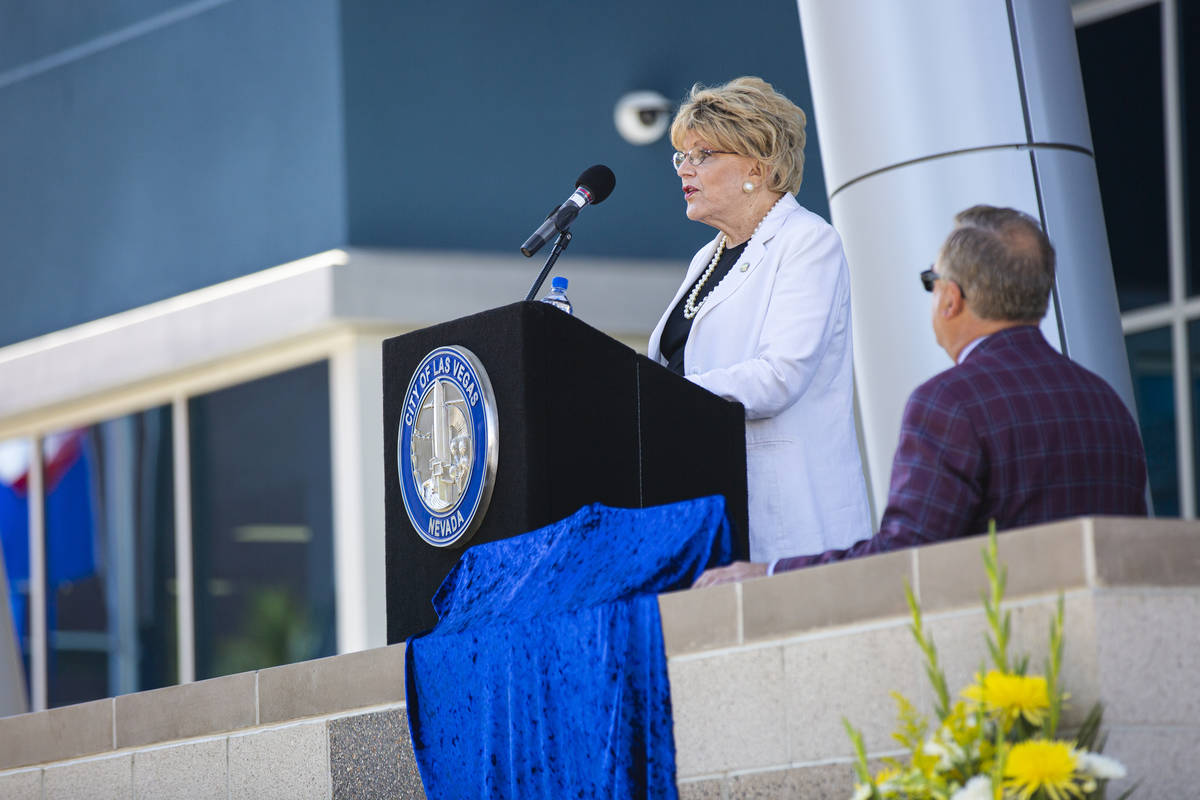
x: 558, y: 282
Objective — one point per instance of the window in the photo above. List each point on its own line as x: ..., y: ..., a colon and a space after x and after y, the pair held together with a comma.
x: 260, y: 494
x: 14, y: 539
x: 110, y: 558
x: 1189, y: 36
x: 1150, y: 366
x: 262, y: 522
x: 1125, y: 107
x: 1143, y: 90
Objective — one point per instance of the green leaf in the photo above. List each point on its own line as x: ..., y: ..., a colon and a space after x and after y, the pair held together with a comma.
x: 912, y: 726
x: 933, y: 670
x: 999, y: 624
x: 1126, y: 794
x: 860, y: 754
x: 1090, y: 729
x: 1054, y: 670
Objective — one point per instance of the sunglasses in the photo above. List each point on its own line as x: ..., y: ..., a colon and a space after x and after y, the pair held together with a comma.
x: 929, y: 277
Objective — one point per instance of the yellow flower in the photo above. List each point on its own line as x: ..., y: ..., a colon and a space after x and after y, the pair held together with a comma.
x: 1012, y: 696
x: 887, y: 782
x: 960, y: 726
x: 887, y: 774
x: 1040, y: 764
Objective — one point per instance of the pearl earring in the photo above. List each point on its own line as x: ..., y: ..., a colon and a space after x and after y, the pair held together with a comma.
x: 747, y: 187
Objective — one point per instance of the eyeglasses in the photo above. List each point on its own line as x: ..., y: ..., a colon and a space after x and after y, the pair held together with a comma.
x: 696, y: 157
x: 928, y: 277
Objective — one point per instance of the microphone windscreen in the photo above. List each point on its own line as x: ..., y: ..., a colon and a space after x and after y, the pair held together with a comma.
x: 599, y: 180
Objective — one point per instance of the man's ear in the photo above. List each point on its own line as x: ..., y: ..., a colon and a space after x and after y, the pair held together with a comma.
x: 951, y: 303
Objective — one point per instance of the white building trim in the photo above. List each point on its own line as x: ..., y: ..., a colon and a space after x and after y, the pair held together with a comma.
x: 337, y: 306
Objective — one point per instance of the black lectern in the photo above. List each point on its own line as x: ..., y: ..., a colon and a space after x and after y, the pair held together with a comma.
x: 580, y: 418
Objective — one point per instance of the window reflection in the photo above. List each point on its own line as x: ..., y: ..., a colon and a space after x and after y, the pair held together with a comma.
x: 1125, y: 106
x: 1194, y: 377
x: 110, y: 558
x: 14, y: 543
x: 1150, y: 366
x: 262, y: 522
x: 1189, y: 35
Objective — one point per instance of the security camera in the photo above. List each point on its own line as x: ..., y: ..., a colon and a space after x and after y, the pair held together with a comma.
x: 642, y: 117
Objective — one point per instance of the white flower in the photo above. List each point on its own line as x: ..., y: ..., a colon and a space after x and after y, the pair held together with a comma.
x: 945, y: 752
x: 978, y: 788
x: 934, y: 748
x: 861, y: 792
x: 1101, y: 767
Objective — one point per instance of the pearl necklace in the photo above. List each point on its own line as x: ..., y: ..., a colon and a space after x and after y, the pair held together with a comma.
x: 691, y: 307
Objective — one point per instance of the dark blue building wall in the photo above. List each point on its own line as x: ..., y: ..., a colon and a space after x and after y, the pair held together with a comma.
x: 467, y: 122
x: 34, y: 29
x: 151, y: 148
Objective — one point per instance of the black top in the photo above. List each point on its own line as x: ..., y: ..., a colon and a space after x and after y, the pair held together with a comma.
x: 675, y: 333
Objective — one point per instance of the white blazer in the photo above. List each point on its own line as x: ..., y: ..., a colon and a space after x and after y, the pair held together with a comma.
x: 774, y: 335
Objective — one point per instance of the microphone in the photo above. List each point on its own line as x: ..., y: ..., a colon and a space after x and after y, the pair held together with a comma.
x: 593, y: 186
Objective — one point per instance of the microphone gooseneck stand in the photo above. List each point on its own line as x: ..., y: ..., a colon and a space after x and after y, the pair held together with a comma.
x: 560, y: 244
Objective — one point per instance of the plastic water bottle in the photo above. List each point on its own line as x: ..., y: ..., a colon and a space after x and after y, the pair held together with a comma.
x: 558, y: 295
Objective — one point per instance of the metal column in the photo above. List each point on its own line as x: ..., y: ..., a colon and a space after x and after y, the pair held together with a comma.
x: 927, y: 107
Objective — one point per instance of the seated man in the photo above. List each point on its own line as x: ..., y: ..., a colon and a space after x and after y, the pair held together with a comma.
x: 1015, y: 432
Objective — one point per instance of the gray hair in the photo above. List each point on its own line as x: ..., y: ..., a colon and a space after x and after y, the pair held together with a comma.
x: 1002, y: 260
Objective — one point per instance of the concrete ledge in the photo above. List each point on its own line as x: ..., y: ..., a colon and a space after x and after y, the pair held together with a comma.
x: 705, y: 619
x: 331, y: 685
x: 183, y: 712
x: 215, y: 707
x: 1045, y: 558
x: 1086, y: 553
x: 56, y: 734
x: 1164, y: 554
x: 762, y: 674
x: 758, y: 703
x: 824, y: 596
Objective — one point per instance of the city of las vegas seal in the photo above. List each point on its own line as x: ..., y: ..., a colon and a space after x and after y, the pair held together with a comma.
x: 447, y: 446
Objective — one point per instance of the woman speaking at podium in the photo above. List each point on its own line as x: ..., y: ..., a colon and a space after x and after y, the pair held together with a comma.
x: 763, y: 317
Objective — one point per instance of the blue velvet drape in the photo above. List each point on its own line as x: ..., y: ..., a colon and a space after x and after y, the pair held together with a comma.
x: 545, y: 676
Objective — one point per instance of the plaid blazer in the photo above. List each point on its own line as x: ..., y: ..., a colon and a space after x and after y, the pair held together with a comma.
x: 1017, y: 433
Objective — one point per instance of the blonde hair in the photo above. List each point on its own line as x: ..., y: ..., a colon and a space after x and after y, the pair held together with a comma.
x: 747, y: 116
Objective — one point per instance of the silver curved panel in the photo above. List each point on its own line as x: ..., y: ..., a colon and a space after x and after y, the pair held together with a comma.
x: 897, y: 81
x: 1087, y: 293
x: 1050, y: 65
x: 892, y: 225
